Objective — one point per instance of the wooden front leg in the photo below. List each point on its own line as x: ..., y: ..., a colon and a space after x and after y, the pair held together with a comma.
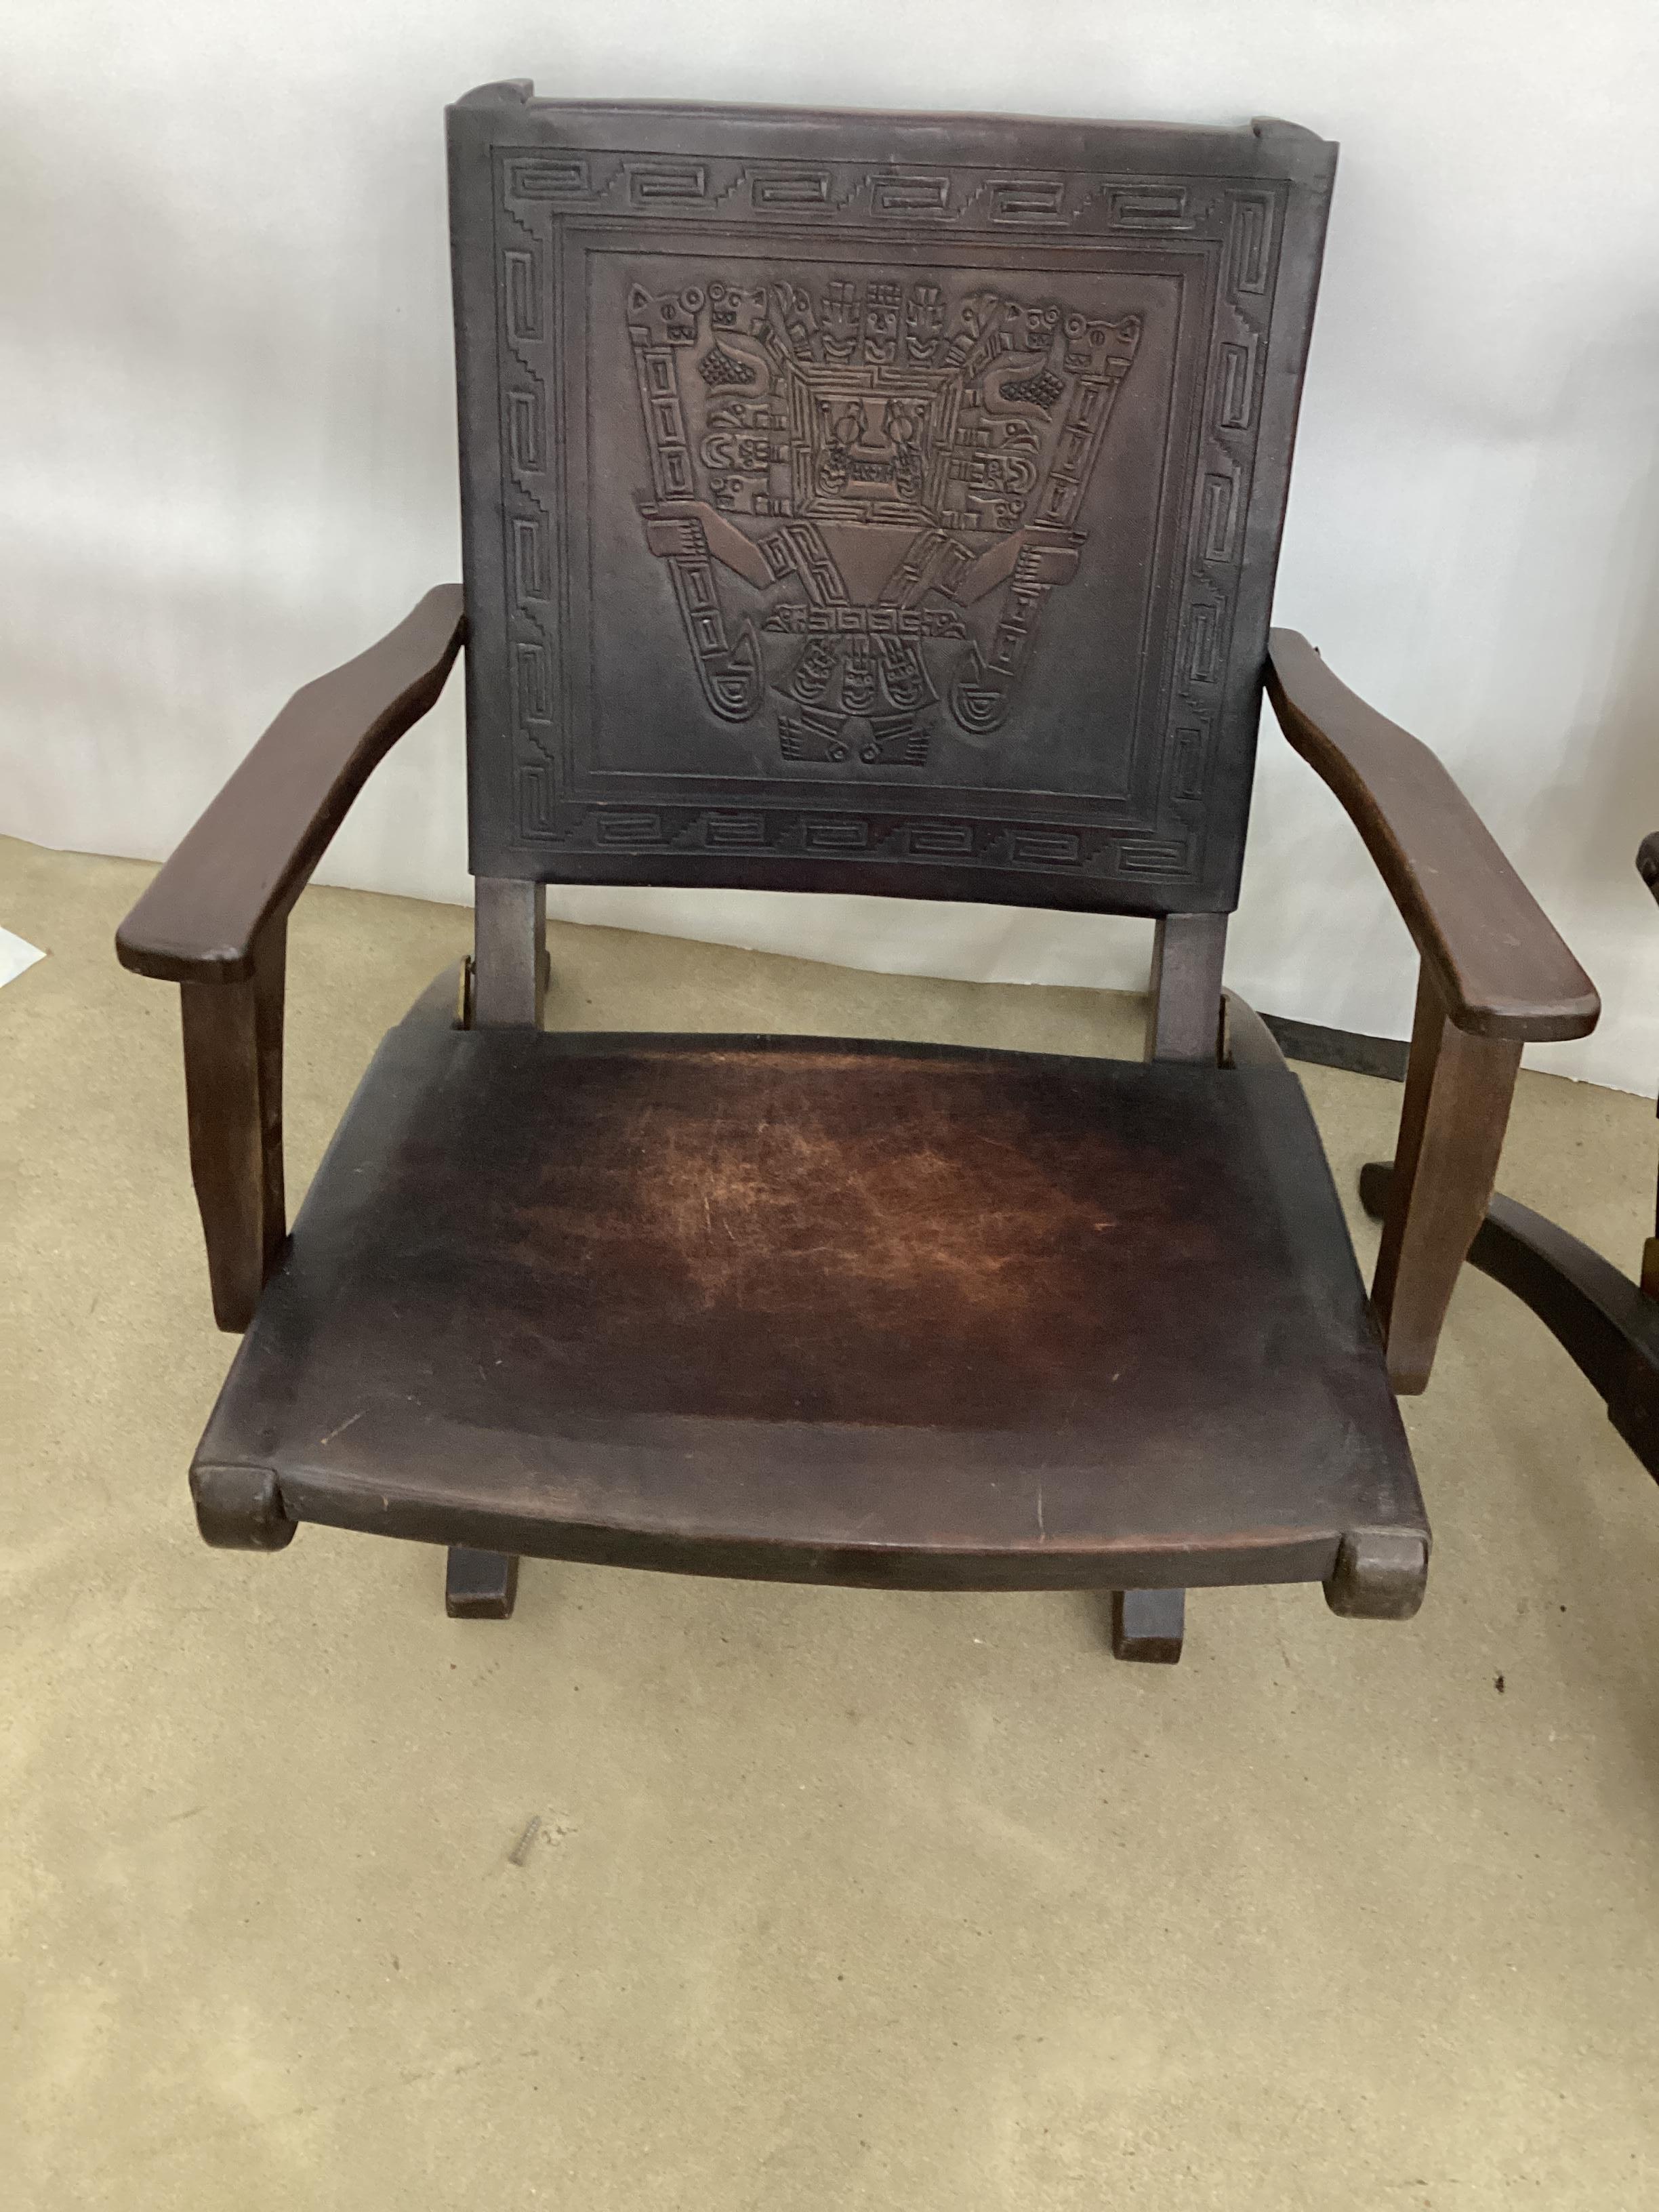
x: 1458, y: 1089
x: 233, y: 1095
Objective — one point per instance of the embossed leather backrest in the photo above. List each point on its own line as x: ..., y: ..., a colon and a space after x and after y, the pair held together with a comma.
x: 873, y: 504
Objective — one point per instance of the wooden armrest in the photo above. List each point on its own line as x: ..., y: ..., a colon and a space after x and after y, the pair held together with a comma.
x: 214, y: 922
x: 249, y: 857
x: 1501, y: 969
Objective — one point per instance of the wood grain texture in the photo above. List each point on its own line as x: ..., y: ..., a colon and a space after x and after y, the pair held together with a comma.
x: 1501, y: 968
x: 825, y: 1311
x: 1458, y: 1090
x: 1601, y: 1319
x: 233, y: 1039
x: 214, y: 920
x: 1456, y: 1107
x: 1381, y: 1574
x: 1351, y: 1050
x: 1183, y: 997
x: 245, y: 861
x: 510, y: 962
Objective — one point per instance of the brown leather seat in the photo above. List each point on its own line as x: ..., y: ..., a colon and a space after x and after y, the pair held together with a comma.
x: 823, y: 1310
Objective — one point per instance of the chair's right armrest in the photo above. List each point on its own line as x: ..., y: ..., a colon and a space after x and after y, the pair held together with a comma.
x: 1494, y: 976
x: 1500, y: 965
x: 251, y: 853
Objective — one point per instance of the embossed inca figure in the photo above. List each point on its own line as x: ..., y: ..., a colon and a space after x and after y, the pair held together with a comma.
x: 871, y: 460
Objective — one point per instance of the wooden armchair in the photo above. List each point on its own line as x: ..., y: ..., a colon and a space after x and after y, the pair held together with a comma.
x: 851, y: 503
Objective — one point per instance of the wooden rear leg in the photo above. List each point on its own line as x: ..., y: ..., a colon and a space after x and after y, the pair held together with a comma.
x: 480, y: 1585
x: 1148, y: 1625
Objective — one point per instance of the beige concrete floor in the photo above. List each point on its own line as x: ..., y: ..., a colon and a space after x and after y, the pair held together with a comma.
x: 840, y: 1899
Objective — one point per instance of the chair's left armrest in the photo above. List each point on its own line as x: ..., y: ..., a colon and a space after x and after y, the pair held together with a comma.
x: 214, y: 922
x: 1502, y: 970
x: 1494, y: 976
x: 251, y: 853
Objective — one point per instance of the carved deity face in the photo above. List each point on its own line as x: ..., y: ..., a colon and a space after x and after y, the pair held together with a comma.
x: 736, y: 308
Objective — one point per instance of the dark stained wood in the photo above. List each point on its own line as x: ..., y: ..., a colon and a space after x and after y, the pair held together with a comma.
x: 239, y: 1509
x: 1183, y: 1023
x: 1458, y: 1089
x: 890, y: 506
x: 1183, y: 1002
x: 214, y: 920
x: 510, y: 963
x: 1149, y: 1624
x: 512, y: 929
x: 825, y: 1311
x: 480, y: 1585
x: 1500, y: 969
x: 1605, y: 1322
x: 1452, y: 1119
x: 247, y: 860
x: 1351, y: 1050
x: 1379, y: 1574
x: 232, y: 1038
